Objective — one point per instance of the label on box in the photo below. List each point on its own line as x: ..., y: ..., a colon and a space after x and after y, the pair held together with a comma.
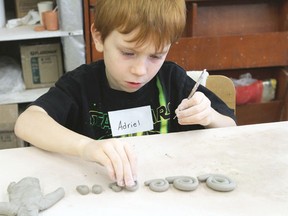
x: 41, y: 65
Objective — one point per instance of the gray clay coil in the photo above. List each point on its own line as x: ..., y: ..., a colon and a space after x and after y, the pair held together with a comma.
x: 218, y: 182
x: 183, y: 183
x: 157, y: 185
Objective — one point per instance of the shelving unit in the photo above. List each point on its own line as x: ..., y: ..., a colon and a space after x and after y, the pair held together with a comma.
x: 231, y: 37
x: 26, y: 33
x: 70, y: 36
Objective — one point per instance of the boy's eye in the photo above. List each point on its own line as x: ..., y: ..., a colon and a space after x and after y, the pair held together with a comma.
x: 127, y: 53
x: 156, y: 56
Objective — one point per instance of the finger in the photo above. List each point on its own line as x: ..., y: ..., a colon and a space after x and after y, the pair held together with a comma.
x: 94, y: 152
x: 200, y: 116
x: 197, y: 104
x: 126, y: 172
x: 183, y: 105
x: 132, y: 159
x: 189, y: 111
x: 116, y: 161
x: 105, y: 161
x: 186, y: 104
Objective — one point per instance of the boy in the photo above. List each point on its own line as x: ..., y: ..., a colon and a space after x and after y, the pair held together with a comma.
x: 135, y: 37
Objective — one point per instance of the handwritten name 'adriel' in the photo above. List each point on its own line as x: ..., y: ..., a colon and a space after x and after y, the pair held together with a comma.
x: 130, y: 121
x: 125, y: 125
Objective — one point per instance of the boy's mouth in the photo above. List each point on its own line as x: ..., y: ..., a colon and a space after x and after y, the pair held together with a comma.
x: 134, y: 84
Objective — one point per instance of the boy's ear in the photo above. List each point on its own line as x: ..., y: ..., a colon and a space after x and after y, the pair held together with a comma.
x: 96, y: 36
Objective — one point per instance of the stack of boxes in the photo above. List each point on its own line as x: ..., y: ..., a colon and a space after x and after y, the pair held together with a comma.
x: 8, y: 116
x: 41, y: 63
x: 41, y: 66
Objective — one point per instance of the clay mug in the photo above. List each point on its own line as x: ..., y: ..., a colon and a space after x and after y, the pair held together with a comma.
x: 50, y: 19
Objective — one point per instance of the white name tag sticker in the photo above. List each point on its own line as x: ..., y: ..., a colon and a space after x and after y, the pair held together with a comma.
x: 130, y: 121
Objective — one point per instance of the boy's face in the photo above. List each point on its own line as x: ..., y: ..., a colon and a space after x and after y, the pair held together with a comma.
x: 129, y: 67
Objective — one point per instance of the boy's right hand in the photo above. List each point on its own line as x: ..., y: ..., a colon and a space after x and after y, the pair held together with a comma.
x: 117, y: 157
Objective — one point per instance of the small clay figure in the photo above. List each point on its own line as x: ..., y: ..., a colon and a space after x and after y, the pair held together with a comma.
x: 26, y: 198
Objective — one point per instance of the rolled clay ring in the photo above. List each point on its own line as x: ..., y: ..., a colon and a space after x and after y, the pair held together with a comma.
x: 183, y: 183
x: 157, y: 185
x: 218, y: 182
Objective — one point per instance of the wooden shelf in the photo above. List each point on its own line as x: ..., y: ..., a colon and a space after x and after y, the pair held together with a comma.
x: 231, y: 52
x: 27, y: 32
x: 25, y: 96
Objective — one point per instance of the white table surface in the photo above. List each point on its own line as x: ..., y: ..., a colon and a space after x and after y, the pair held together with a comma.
x: 255, y: 156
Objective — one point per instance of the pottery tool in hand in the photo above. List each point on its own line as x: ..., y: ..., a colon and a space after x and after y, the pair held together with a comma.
x: 194, y: 89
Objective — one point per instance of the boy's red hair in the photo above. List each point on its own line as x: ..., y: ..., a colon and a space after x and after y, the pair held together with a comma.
x: 160, y: 21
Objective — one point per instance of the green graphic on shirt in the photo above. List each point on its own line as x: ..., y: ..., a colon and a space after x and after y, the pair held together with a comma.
x: 99, y: 120
x: 162, y: 111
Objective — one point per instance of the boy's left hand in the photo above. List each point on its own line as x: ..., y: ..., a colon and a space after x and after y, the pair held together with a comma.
x: 196, y: 110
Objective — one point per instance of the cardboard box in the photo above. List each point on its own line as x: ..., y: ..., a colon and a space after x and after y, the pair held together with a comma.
x: 8, y: 116
x: 22, y: 7
x: 41, y: 64
x: 8, y: 140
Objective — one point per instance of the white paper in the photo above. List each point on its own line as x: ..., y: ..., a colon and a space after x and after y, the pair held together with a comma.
x: 130, y: 121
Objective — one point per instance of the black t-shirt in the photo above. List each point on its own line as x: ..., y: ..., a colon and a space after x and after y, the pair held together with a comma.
x: 82, y: 98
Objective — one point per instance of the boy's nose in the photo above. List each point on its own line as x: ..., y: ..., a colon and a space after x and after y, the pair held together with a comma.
x: 139, y: 68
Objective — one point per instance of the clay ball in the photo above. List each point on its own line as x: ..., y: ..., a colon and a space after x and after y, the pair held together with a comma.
x: 83, y: 189
x: 97, y: 189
